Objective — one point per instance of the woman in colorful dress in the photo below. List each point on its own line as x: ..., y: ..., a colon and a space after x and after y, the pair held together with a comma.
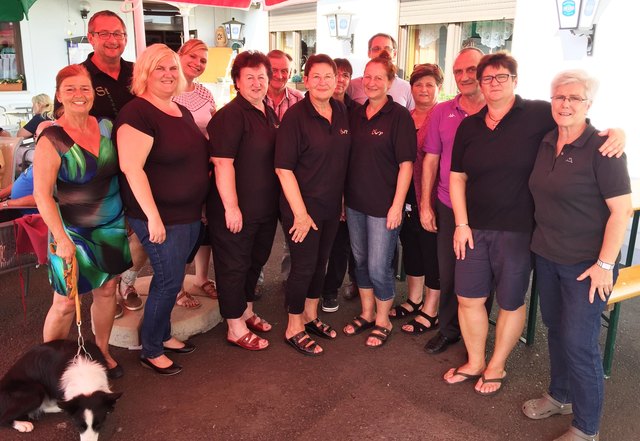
x: 77, y: 193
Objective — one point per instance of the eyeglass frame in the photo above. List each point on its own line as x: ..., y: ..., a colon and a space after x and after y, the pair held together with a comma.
x: 488, y: 79
x: 389, y: 49
x: 573, y: 99
x: 104, y: 35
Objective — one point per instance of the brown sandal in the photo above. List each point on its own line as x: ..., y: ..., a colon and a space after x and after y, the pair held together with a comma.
x: 257, y: 324
x: 249, y: 341
x: 189, y: 301
x: 209, y: 288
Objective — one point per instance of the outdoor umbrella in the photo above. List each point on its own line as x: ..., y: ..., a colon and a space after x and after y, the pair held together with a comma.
x: 15, y: 10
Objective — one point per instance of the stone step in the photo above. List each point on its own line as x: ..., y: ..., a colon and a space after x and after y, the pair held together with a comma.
x: 184, y: 322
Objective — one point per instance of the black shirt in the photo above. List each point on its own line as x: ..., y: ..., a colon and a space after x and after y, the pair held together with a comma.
x: 243, y: 133
x: 34, y: 122
x: 569, y: 191
x: 177, y: 165
x: 110, y: 95
x: 498, y: 164
x: 378, y: 146
x: 317, y: 151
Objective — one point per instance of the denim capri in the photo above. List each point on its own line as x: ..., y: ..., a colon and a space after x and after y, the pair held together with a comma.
x: 373, y: 247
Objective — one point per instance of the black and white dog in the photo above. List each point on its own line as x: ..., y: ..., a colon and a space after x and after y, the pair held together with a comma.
x: 48, y: 379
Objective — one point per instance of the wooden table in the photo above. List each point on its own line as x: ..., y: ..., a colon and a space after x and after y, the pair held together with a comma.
x: 614, y: 315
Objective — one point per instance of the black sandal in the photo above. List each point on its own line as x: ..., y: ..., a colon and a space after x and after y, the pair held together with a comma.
x: 381, y: 333
x: 300, y: 343
x: 358, y: 324
x: 419, y: 328
x: 320, y: 329
x: 402, y: 312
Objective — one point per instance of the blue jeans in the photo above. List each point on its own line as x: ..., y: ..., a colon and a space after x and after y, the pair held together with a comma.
x: 373, y: 247
x: 167, y: 260
x: 577, y: 375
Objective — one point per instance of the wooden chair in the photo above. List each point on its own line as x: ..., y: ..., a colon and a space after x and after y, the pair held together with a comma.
x: 8, y: 148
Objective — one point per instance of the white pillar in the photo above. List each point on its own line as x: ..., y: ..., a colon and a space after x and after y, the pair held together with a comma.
x: 135, y: 6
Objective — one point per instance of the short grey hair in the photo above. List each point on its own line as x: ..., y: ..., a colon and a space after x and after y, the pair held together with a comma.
x: 579, y: 76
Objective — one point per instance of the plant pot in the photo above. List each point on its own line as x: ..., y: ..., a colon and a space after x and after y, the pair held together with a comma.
x: 10, y: 87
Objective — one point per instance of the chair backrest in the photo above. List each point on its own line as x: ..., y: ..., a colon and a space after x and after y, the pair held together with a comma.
x: 8, y: 147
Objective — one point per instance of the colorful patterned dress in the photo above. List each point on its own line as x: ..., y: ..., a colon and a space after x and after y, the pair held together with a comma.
x: 88, y: 197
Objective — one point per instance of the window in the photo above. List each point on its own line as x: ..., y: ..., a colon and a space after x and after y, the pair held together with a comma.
x: 11, y: 65
x: 429, y: 43
x: 490, y: 36
x: 426, y: 44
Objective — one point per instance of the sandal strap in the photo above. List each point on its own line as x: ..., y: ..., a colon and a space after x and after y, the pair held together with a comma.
x: 250, y: 339
x: 414, y: 305
x: 418, y: 328
x: 432, y: 320
x: 301, y: 339
x: 321, y: 326
x: 382, y: 333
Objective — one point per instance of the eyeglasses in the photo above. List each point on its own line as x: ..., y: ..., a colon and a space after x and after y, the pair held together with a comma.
x: 500, y: 78
x: 381, y: 48
x: 573, y: 99
x: 104, y: 35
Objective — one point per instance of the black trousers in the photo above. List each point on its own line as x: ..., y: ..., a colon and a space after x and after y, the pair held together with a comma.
x: 238, y: 259
x: 340, y: 259
x: 308, y: 263
x: 419, y: 250
x: 448, y: 309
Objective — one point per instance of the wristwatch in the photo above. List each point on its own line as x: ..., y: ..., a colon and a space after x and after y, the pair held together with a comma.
x: 5, y: 204
x: 605, y: 266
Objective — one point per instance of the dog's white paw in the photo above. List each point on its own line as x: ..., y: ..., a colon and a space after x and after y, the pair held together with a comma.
x: 23, y: 426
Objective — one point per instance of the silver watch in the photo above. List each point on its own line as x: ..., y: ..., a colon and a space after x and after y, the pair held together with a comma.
x: 605, y: 266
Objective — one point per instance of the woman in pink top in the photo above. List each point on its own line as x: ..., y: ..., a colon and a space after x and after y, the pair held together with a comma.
x: 419, y: 245
x: 199, y: 101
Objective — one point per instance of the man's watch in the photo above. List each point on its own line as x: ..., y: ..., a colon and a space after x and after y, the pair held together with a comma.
x: 5, y: 204
x: 605, y: 266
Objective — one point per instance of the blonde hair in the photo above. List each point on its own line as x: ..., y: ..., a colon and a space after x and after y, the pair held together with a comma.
x: 46, y: 105
x: 191, y: 46
x: 148, y: 61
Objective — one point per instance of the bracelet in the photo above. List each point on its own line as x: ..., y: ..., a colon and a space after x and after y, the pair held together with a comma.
x: 461, y: 225
x: 604, y: 265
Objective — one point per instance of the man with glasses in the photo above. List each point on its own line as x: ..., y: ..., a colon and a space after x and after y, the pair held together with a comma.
x: 111, y: 78
x: 110, y: 74
x: 400, y: 89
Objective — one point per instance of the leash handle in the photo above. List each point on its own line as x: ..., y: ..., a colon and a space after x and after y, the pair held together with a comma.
x: 71, y: 280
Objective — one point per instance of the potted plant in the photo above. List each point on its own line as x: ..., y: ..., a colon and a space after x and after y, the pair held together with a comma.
x: 12, y: 84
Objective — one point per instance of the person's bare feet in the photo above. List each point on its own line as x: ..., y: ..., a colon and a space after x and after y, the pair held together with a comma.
x: 363, y: 323
x: 491, y: 381
x: 378, y: 336
x: 303, y: 344
x: 173, y: 343
x: 162, y: 361
x: 462, y: 373
x: 254, y: 342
